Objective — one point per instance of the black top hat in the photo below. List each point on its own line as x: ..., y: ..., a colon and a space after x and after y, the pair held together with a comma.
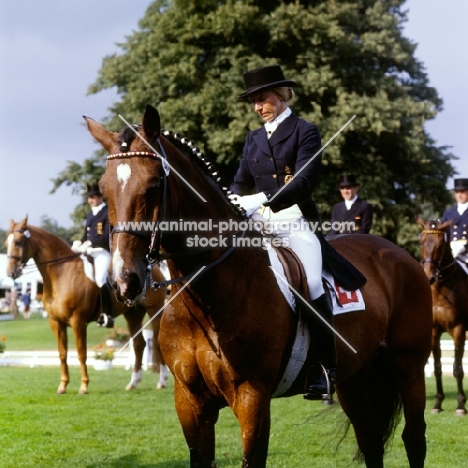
x: 93, y: 190
x: 460, y: 184
x: 347, y: 181
x: 270, y: 76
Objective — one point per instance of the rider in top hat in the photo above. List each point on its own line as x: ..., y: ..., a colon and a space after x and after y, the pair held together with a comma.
x: 354, y: 214
x: 459, y: 227
x: 95, y: 244
x: 280, y: 165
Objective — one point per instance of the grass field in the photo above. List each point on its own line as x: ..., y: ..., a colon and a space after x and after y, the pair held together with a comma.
x: 35, y: 334
x: 111, y: 428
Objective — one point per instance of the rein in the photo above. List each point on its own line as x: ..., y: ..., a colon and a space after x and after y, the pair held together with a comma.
x: 27, y: 234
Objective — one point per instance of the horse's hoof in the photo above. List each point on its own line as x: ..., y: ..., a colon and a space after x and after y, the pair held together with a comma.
x: 130, y: 387
x: 328, y: 402
x: 161, y: 386
x: 436, y: 410
x: 460, y: 412
x: 61, y: 392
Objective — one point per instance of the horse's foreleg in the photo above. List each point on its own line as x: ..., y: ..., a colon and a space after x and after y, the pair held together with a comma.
x: 163, y: 376
x: 60, y: 331
x: 436, y: 353
x: 252, y: 409
x: 134, y: 323
x: 459, y: 334
x: 79, y: 327
x: 197, y: 415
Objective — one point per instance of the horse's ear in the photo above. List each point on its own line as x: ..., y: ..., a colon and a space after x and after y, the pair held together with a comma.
x: 105, y: 137
x: 24, y: 223
x: 421, y: 222
x: 446, y: 225
x: 151, y: 122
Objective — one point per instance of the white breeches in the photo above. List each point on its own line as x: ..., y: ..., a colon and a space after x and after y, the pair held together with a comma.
x: 102, y: 260
x: 306, y: 246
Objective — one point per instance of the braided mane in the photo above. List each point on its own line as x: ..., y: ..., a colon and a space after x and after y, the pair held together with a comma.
x: 188, y: 148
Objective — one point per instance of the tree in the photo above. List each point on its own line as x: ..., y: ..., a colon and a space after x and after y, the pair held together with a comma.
x: 66, y: 234
x: 349, y: 58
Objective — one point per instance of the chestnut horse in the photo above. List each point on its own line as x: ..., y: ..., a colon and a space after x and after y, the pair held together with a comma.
x: 227, y: 335
x: 71, y: 299
x: 449, y: 286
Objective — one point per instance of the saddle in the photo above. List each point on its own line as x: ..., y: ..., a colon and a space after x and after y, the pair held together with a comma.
x: 294, y: 272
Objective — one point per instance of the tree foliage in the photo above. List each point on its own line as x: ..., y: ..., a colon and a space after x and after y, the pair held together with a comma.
x: 349, y: 58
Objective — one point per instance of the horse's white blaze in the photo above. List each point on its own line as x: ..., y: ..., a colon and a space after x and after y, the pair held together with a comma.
x: 117, y: 263
x: 123, y: 174
x: 10, y: 243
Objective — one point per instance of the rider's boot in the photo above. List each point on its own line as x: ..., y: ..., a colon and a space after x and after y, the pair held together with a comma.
x: 106, y: 318
x: 322, y: 387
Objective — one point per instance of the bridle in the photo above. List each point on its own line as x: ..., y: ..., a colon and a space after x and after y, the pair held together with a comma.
x: 438, y: 268
x: 22, y: 263
x: 154, y: 255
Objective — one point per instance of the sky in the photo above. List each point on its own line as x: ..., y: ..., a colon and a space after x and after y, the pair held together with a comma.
x: 52, y: 50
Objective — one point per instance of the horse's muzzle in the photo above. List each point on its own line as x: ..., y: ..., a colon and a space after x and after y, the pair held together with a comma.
x: 129, y: 286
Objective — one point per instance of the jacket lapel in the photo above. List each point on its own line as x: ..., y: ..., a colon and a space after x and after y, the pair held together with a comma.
x: 284, y: 130
x: 261, y: 140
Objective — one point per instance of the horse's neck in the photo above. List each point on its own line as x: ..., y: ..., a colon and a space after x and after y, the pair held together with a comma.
x: 47, y: 248
x: 447, y: 257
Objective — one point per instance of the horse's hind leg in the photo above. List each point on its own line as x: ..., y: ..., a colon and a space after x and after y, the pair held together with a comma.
x: 437, y: 354
x: 352, y: 395
x: 411, y: 382
x: 459, y: 336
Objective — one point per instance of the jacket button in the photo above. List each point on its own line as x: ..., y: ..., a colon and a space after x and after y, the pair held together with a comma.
x: 257, y: 177
x: 274, y: 176
x: 255, y: 160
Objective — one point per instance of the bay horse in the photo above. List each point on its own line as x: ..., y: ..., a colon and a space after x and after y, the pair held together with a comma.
x: 228, y: 331
x: 71, y: 299
x: 449, y: 287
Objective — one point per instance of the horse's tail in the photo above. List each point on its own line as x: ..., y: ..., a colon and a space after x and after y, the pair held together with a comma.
x: 383, y: 396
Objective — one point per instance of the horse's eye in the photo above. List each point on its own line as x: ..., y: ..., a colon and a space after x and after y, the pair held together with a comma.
x: 155, y: 182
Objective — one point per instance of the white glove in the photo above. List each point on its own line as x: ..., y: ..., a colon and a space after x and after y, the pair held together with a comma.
x: 76, y: 246
x: 252, y: 203
x: 84, y: 247
x: 458, y: 247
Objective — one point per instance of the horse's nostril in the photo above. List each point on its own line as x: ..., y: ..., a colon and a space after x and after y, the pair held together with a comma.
x: 432, y: 280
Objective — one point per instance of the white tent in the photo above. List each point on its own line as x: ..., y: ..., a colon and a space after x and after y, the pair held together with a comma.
x: 31, y: 278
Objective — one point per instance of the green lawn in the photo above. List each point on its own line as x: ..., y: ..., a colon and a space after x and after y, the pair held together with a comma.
x: 35, y: 334
x: 111, y: 428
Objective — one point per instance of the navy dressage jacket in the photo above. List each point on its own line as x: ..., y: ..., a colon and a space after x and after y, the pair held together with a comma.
x: 97, y: 229
x: 459, y: 226
x: 267, y: 166
x: 360, y: 213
